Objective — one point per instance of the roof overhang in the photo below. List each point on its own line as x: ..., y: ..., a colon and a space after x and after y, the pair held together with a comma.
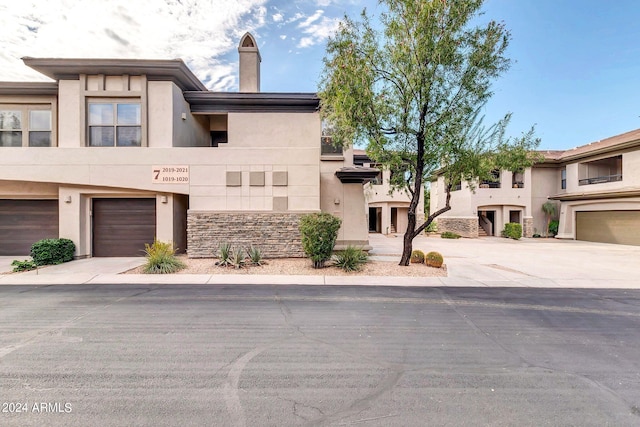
x: 29, y: 88
x: 356, y: 174
x: 223, y: 102
x: 620, y: 194
x: 174, y: 70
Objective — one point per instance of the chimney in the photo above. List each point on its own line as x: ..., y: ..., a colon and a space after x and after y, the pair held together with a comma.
x: 249, y: 64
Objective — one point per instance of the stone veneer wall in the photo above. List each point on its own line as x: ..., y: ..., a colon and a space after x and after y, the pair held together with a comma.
x: 276, y: 234
x: 466, y: 227
x: 527, y: 228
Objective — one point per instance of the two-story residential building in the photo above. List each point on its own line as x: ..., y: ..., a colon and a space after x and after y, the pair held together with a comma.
x: 116, y: 152
x: 596, y: 186
x: 386, y: 209
x: 599, y: 190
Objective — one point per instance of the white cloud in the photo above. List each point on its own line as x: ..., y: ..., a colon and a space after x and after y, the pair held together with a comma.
x: 283, y: 37
x: 198, y: 31
x: 298, y: 16
x: 311, y: 19
x: 278, y: 17
x: 316, y: 29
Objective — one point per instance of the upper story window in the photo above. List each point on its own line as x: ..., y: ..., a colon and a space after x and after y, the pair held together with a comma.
x: 493, y: 182
x: 599, y: 171
x: 115, y: 124
x: 517, y: 179
x: 563, y: 178
x: 10, y: 128
x: 327, y: 147
x: 25, y: 126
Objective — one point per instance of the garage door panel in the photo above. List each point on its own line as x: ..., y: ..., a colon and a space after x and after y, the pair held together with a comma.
x: 121, y: 227
x: 620, y: 227
x: 24, y: 222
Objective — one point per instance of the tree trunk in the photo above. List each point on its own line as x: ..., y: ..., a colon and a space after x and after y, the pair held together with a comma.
x: 407, y: 246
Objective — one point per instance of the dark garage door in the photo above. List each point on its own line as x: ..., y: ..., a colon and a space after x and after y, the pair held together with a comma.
x: 621, y: 227
x: 24, y: 222
x: 121, y: 227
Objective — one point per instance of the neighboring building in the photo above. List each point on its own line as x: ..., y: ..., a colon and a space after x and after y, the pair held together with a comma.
x: 597, y: 187
x: 116, y: 152
x: 386, y: 210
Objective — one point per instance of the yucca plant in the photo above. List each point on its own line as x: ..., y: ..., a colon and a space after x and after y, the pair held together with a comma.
x: 255, y: 255
x: 350, y: 259
x: 224, y: 255
x: 237, y: 258
x: 161, y: 258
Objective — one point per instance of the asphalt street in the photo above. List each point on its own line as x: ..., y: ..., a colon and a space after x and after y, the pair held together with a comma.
x: 193, y: 355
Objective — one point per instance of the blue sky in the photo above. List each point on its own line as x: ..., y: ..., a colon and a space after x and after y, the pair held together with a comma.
x: 576, y: 71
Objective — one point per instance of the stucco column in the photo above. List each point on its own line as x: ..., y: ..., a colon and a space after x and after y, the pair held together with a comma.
x: 73, y: 220
x: 354, y: 228
x: 566, y: 227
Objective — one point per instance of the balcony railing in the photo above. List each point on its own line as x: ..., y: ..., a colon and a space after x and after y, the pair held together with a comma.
x: 489, y: 184
x: 600, y: 179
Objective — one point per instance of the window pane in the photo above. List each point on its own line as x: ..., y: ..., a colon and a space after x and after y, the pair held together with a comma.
x: 128, y: 114
x: 40, y: 139
x: 10, y: 139
x: 129, y: 136
x: 10, y: 120
x: 101, y: 136
x: 101, y: 114
x: 40, y: 120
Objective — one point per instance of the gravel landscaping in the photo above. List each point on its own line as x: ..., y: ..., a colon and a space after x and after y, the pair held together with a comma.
x: 302, y: 266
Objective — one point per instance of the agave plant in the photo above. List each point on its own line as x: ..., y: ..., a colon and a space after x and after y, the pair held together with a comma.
x: 350, y: 259
x: 255, y: 255
x: 237, y: 259
x: 224, y: 255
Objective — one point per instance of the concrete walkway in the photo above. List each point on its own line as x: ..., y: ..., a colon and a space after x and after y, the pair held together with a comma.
x: 486, y: 262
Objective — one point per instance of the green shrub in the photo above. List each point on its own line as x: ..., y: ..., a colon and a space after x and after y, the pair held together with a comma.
x: 237, y: 258
x: 432, y: 227
x: 512, y: 230
x: 417, y: 256
x: 25, y: 265
x: 225, y: 252
x: 351, y: 258
x: 161, y: 258
x: 450, y: 235
x: 553, y: 227
x: 52, y: 251
x: 434, y: 259
x: 319, y: 232
x: 255, y: 255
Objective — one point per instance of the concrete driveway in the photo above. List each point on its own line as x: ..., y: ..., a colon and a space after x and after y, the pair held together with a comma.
x: 488, y: 261
x: 530, y: 262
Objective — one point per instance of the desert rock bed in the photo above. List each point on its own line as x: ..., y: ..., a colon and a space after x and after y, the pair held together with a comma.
x: 302, y: 266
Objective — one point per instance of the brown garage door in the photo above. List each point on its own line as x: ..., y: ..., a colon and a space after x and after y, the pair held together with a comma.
x: 24, y: 222
x: 121, y: 227
x: 621, y: 227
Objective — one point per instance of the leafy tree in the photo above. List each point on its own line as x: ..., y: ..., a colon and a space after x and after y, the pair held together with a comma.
x: 413, y: 93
